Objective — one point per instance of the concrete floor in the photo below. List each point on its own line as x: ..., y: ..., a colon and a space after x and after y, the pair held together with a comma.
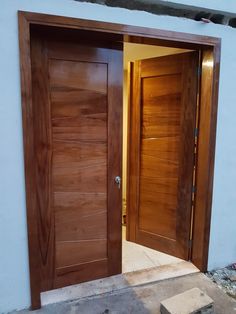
x: 143, y: 299
x: 140, y: 266
x: 119, y: 282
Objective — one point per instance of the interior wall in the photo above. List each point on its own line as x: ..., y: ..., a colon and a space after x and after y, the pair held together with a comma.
x: 14, y: 270
x: 133, y: 52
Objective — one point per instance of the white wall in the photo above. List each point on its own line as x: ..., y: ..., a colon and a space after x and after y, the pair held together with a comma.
x: 14, y: 275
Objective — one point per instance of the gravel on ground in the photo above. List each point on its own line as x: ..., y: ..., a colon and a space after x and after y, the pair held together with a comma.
x: 225, y: 278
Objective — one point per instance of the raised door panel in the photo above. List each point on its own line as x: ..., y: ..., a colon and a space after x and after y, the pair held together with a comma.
x: 160, y: 120
x: 163, y: 109
x: 77, y: 97
x: 79, y: 164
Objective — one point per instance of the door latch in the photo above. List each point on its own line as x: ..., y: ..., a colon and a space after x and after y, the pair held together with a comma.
x: 118, y: 181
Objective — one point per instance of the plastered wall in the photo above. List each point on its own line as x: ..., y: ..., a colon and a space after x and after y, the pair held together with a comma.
x: 14, y: 272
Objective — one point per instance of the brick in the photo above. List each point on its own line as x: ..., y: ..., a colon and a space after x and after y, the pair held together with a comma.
x: 192, y: 301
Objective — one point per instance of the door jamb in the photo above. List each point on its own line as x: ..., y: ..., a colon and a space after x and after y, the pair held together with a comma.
x: 210, y: 48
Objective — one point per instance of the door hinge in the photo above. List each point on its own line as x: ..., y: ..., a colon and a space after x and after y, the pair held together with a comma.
x: 194, y: 189
x: 199, y: 71
x: 196, y: 132
x: 190, y: 243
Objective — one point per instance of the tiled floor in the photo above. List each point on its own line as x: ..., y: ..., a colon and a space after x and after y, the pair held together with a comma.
x: 137, y: 257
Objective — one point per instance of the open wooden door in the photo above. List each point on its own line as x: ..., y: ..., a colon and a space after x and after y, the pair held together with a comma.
x: 161, y: 152
x: 75, y: 228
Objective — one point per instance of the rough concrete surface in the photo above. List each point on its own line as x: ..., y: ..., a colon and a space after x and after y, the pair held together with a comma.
x: 189, y: 302
x: 118, y: 282
x: 143, y: 299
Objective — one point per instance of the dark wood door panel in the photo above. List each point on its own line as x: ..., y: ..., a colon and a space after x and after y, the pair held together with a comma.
x: 163, y: 108
x: 91, y: 216
x: 90, y: 179
x: 164, y: 168
x: 68, y: 152
x: 76, y: 76
x: 77, y: 98
x: 163, y: 66
x: 168, y: 84
x: 162, y: 222
x: 161, y: 147
x: 165, y: 186
x: 69, y: 275
x: 71, y: 253
x: 42, y: 163
x: 160, y: 96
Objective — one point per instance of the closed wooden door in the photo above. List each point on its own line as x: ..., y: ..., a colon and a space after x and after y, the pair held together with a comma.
x: 161, y: 152
x: 77, y: 109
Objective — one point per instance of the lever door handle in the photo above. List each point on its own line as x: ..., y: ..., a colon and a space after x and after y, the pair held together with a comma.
x: 118, y: 181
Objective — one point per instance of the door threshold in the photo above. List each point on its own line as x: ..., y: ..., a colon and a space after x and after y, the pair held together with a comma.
x: 118, y: 282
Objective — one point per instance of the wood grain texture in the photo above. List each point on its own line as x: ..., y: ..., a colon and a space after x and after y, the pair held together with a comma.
x: 94, y: 29
x: 115, y: 133
x: 131, y: 33
x: 43, y: 161
x: 134, y: 131
x: 205, y: 160
x: 165, y: 112
x: 76, y: 273
x: 29, y: 159
x: 161, y: 95
x: 77, y: 102
x: 129, y: 233
x: 79, y: 115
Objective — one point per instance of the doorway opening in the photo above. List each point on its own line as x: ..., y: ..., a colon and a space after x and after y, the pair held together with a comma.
x: 137, y: 256
x: 148, y: 262
x: 69, y: 128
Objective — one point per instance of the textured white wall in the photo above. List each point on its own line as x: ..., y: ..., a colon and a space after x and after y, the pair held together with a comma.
x: 14, y: 274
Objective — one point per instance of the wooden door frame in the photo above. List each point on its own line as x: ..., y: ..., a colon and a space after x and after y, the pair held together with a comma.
x: 210, y: 48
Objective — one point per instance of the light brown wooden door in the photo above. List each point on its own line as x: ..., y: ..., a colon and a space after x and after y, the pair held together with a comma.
x: 161, y: 152
x: 77, y: 110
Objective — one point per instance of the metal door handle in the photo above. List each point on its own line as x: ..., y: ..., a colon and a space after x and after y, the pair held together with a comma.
x: 118, y: 181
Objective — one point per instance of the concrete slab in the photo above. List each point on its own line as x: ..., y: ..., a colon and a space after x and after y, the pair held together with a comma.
x: 143, y: 299
x: 189, y: 302
x: 115, y: 283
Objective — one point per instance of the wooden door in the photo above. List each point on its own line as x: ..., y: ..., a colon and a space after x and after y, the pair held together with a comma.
x: 77, y: 110
x: 161, y: 152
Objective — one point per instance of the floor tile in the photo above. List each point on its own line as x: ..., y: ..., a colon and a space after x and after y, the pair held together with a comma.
x: 136, y: 257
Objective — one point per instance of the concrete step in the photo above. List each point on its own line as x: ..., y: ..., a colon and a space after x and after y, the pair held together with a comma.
x: 118, y: 282
x: 193, y: 301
